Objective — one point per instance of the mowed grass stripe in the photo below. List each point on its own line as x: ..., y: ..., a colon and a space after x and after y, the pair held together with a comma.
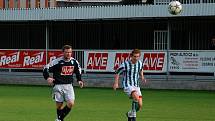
x: 34, y: 103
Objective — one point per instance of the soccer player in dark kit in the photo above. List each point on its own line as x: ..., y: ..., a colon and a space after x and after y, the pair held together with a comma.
x: 63, y: 69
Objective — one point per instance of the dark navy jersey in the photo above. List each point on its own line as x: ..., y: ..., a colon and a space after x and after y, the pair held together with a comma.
x: 63, y: 70
x: 130, y: 72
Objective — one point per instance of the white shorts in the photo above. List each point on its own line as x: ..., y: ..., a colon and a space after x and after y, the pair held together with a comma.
x: 128, y: 90
x: 63, y: 92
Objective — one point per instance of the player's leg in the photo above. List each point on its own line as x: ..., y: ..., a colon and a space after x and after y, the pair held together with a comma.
x: 135, y: 104
x: 59, y: 106
x: 128, y: 91
x: 137, y: 99
x: 70, y: 98
x: 58, y: 97
x: 129, y: 115
x: 67, y: 108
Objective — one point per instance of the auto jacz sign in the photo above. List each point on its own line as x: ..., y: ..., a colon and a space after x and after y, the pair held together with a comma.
x: 186, y: 61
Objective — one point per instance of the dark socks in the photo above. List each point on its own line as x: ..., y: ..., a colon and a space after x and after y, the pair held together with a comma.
x: 129, y: 119
x: 65, y: 111
x: 59, y: 114
x: 135, y: 106
x: 133, y: 119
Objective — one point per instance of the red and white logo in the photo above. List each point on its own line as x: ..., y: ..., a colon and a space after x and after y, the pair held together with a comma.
x: 97, y: 61
x: 9, y: 58
x: 67, y: 70
x: 53, y: 55
x: 119, y: 58
x: 153, y: 61
x: 34, y: 59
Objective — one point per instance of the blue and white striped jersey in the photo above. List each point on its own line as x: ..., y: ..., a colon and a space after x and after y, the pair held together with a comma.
x: 131, y: 73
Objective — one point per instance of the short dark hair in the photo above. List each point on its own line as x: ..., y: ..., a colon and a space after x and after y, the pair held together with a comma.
x: 135, y: 51
x: 66, y: 47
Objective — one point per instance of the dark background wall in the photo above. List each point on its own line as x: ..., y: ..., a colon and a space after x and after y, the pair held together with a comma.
x: 185, y: 33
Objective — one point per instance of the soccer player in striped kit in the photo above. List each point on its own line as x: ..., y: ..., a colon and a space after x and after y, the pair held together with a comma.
x: 131, y: 70
x: 62, y: 81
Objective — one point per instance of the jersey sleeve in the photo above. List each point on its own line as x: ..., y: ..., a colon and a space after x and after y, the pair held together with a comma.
x: 120, y: 69
x: 48, y: 68
x: 78, y: 71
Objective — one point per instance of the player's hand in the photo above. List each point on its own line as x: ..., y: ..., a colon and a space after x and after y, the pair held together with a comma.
x: 81, y: 84
x: 50, y: 81
x: 115, y: 86
x: 144, y: 81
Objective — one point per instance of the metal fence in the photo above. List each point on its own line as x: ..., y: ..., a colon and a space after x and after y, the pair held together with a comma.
x: 160, y: 39
x: 79, y: 55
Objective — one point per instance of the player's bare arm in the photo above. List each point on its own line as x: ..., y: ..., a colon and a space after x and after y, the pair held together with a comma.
x: 116, y: 82
x: 142, y: 76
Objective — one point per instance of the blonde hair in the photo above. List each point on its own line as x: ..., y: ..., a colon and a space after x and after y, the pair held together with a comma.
x: 135, y: 51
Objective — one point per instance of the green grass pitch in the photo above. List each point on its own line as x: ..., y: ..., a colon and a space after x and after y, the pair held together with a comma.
x: 34, y: 103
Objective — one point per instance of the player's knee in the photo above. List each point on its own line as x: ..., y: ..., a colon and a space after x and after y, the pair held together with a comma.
x: 59, y: 106
x: 134, y: 95
x: 70, y: 104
